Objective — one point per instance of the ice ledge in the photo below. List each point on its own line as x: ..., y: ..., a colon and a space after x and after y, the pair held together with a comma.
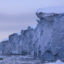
x: 41, y: 14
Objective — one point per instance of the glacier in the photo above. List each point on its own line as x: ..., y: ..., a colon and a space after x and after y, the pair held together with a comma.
x: 45, y: 41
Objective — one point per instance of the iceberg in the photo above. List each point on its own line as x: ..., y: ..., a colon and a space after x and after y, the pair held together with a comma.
x: 45, y: 41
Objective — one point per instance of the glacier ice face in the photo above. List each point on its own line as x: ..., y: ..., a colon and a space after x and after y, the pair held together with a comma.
x: 14, y: 40
x: 44, y: 42
x: 26, y: 38
x: 5, y: 47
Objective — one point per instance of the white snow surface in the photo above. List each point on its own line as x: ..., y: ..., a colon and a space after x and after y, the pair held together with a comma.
x: 51, y: 10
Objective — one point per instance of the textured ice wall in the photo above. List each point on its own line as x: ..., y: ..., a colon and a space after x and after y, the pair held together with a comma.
x: 46, y: 41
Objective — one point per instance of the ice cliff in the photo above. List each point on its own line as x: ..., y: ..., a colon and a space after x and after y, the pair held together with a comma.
x: 46, y: 41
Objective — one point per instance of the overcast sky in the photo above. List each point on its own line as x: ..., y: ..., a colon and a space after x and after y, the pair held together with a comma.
x: 18, y: 14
